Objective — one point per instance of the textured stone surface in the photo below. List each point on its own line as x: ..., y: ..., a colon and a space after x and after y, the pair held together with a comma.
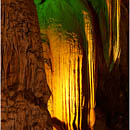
x: 112, y: 96
x: 24, y: 88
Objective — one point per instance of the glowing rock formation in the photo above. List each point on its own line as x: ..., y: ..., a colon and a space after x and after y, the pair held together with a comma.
x: 66, y: 30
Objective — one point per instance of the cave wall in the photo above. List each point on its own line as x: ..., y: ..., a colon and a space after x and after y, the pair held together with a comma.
x: 24, y: 89
x: 112, y: 97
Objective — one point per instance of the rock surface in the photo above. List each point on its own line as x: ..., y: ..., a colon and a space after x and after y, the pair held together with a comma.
x: 112, y: 94
x: 24, y: 90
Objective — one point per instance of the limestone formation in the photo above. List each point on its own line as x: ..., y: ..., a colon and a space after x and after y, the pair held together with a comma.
x: 24, y: 89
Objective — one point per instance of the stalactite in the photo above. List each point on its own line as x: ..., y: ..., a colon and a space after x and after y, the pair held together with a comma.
x: 114, y: 30
x: 109, y: 6
x: 66, y: 79
x: 73, y: 100
x: 116, y: 47
x: 91, y: 70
